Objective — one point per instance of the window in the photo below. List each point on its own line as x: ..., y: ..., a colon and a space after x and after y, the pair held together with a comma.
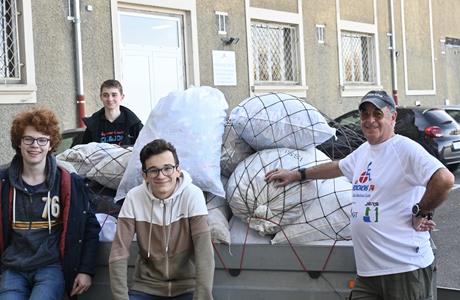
x: 221, y: 22
x: 320, y: 33
x: 17, y: 68
x: 9, y: 54
x: 454, y: 114
x: 358, y: 58
x: 275, y: 54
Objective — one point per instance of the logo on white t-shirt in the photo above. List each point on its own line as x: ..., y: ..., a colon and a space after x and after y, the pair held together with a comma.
x: 363, y: 189
x: 363, y: 183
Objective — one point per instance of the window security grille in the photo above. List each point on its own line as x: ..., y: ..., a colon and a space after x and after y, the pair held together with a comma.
x: 275, y: 54
x: 9, y: 51
x: 358, y: 58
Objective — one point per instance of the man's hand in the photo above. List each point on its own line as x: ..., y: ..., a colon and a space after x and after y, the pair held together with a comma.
x: 81, y: 284
x: 282, y: 177
x: 422, y: 224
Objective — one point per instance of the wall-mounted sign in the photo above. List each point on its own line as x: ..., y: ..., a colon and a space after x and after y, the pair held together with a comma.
x: 224, y: 67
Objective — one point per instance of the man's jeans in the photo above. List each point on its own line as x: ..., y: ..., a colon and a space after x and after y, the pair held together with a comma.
x: 44, y: 283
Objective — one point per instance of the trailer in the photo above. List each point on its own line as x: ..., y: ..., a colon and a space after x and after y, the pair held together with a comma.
x: 322, y: 270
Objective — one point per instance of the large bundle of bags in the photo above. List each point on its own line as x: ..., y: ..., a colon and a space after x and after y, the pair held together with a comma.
x: 325, y: 217
x: 193, y: 121
x: 265, y: 206
x: 228, y: 159
x: 103, y: 165
x: 101, y: 162
x: 282, y: 131
x: 280, y: 120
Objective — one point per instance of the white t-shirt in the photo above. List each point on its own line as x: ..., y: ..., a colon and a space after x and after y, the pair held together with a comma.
x: 388, y: 179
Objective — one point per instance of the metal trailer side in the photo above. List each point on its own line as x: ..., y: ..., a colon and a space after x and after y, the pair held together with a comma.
x: 254, y: 271
x: 277, y: 272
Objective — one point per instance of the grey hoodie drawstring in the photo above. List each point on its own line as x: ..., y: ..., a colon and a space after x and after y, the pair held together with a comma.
x: 168, y: 237
x: 150, y: 229
x: 162, y: 205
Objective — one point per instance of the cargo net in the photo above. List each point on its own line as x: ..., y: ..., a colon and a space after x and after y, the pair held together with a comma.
x: 103, y: 165
x: 263, y: 133
x: 280, y: 131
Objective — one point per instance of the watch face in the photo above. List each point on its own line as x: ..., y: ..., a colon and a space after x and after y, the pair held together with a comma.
x: 415, y: 209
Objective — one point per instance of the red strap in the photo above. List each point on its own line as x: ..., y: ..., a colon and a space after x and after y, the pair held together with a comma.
x: 299, y: 259
x: 65, y: 202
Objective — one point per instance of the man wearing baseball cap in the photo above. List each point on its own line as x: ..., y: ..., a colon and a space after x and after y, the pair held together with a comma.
x: 391, y: 213
x: 380, y: 99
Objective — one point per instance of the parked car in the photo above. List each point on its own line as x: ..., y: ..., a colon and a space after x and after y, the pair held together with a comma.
x: 433, y: 128
x: 453, y: 111
x: 349, y: 137
x: 70, y: 137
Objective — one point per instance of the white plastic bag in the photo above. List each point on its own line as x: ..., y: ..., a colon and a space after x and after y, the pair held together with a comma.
x: 239, y: 233
x: 218, y: 224
x: 263, y: 205
x: 108, y: 227
x: 193, y: 121
x: 234, y: 150
x: 218, y: 203
x: 84, y: 157
x: 218, y: 215
x: 327, y: 217
x: 109, y: 170
x: 280, y: 120
x: 66, y: 166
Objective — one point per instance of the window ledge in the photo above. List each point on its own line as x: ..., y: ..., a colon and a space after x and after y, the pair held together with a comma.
x: 17, y: 93
x: 357, y: 91
x: 295, y: 90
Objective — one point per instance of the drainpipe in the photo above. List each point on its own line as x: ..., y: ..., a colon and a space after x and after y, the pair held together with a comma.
x: 80, y: 101
x: 394, y: 53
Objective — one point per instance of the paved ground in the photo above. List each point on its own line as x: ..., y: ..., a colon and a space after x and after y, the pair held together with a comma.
x: 447, y: 238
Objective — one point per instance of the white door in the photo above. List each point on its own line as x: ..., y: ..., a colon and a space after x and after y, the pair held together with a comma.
x: 152, y: 54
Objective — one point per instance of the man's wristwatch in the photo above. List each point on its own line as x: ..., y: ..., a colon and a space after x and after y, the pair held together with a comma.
x: 303, y: 174
x: 418, y: 213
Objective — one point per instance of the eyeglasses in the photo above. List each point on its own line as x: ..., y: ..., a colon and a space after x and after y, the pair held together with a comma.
x: 167, y: 170
x: 377, y: 114
x: 41, y: 141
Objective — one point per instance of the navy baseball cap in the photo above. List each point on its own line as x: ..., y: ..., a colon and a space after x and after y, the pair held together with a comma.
x: 380, y: 99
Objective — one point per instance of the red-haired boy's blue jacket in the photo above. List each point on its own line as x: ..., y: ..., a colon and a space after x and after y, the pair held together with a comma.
x: 79, y: 239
